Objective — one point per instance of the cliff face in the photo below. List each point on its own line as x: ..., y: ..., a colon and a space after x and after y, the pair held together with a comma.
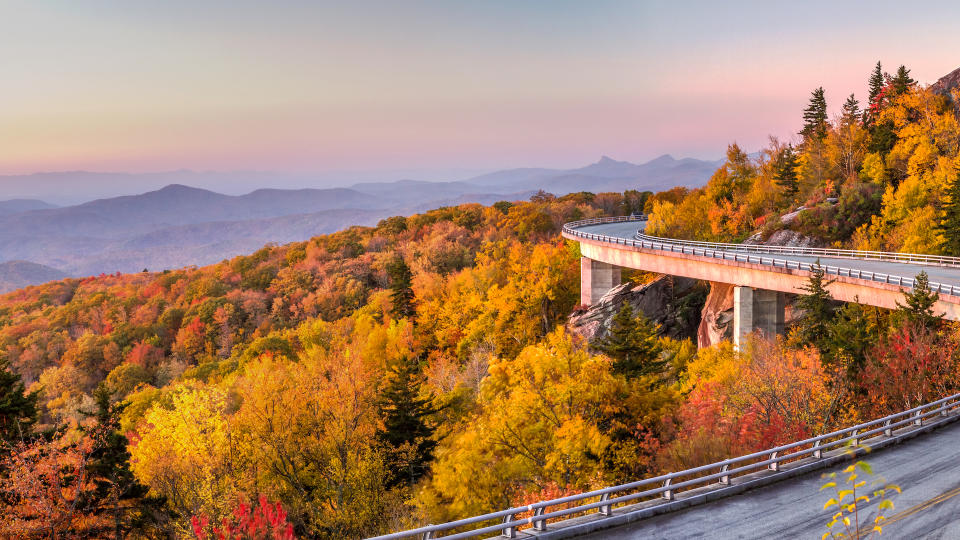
x: 947, y: 82
x: 672, y: 302
x: 716, y: 321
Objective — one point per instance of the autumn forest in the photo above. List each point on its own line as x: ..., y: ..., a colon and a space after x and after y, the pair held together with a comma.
x: 424, y: 370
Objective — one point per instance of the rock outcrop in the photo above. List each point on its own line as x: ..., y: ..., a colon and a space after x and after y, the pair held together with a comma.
x: 947, y: 83
x: 785, y: 237
x: 672, y: 302
x: 716, y: 320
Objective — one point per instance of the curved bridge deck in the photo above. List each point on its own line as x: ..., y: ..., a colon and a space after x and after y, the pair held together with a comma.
x: 857, y: 277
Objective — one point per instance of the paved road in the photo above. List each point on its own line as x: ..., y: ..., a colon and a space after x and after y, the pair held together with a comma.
x: 938, y: 274
x: 927, y: 468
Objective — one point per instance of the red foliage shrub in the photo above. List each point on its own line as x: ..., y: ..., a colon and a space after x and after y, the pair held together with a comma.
x: 268, y: 521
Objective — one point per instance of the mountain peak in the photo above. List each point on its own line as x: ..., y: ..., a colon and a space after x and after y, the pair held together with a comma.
x: 172, y: 188
x: 665, y: 158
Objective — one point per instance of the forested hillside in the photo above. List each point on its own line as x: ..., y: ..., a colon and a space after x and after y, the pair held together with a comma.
x: 876, y: 177
x: 420, y: 370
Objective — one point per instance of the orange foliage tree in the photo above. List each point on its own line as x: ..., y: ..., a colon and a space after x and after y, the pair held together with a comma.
x: 44, y: 489
x: 741, y: 402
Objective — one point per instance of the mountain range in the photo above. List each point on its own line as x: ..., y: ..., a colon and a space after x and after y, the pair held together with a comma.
x: 179, y: 225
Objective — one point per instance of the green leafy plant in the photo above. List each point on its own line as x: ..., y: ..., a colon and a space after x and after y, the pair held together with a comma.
x: 850, y: 495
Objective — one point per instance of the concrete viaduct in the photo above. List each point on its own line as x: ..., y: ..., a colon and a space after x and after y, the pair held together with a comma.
x: 761, y: 275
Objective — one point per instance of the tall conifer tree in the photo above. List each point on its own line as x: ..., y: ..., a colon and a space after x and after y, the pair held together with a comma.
x: 882, y: 136
x: 920, y: 300
x: 815, y: 117
x: 852, y: 334
x: 785, y: 172
x: 875, y: 85
x: 949, y: 224
x: 902, y: 81
x: 633, y: 344
x: 18, y: 409
x: 406, y: 436
x: 117, y: 495
x: 818, y: 310
x: 401, y: 288
x: 851, y: 111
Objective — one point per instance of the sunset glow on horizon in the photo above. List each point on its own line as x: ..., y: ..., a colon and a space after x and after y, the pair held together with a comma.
x: 301, y: 86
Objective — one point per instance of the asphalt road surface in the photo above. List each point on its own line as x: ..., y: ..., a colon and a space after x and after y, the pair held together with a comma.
x: 927, y: 468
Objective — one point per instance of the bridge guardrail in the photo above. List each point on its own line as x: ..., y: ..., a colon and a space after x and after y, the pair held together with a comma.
x: 733, y: 252
x: 665, y: 486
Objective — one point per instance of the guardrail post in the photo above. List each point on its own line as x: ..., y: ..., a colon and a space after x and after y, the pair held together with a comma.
x: 427, y: 535
x: 539, y: 524
x: 668, y: 494
x: 817, y: 451
x: 919, y: 420
x: 775, y: 466
x: 855, y: 441
x: 510, y: 531
x: 725, y: 479
x: 607, y: 509
x: 888, y: 431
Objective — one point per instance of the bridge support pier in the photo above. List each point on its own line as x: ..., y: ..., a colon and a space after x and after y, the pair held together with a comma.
x: 756, y: 310
x: 596, y: 278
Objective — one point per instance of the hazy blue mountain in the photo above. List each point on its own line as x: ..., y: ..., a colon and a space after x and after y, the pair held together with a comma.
x: 18, y: 206
x: 68, y: 188
x: 512, y: 177
x: 606, y: 174
x: 18, y: 274
x: 179, y: 225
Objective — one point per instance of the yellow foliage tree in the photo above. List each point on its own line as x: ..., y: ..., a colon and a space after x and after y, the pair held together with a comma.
x: 542, y: 420
x: 189, y: 453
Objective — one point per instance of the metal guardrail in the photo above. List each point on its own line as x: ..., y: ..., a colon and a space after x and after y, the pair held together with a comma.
x: 665, y: 486
x: 735, y: 252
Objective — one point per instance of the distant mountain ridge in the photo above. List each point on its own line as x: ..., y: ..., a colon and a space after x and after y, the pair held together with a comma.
x: 606, y: 174
x: 179, y: 225
x: 17, y: 206
x: 18, y: 274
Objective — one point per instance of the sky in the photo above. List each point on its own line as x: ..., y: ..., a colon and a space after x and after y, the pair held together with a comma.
x: 428, y: 86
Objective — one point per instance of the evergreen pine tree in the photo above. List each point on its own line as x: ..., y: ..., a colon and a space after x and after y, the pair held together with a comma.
x: 902, y: 81
x: 633, y: 344
x: 818, y: 309
x: 851, y: 335
x: 882, y: 135
x: 785, y: 172
x: 18, y: 409
x: 401, y: 288
x: 117, y: 495
x: 815, y: 117
x: 875, y: 85
x: 851, y: 111
x: 949, y: 223
x: 920, y: 300
x: 406, y: 437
